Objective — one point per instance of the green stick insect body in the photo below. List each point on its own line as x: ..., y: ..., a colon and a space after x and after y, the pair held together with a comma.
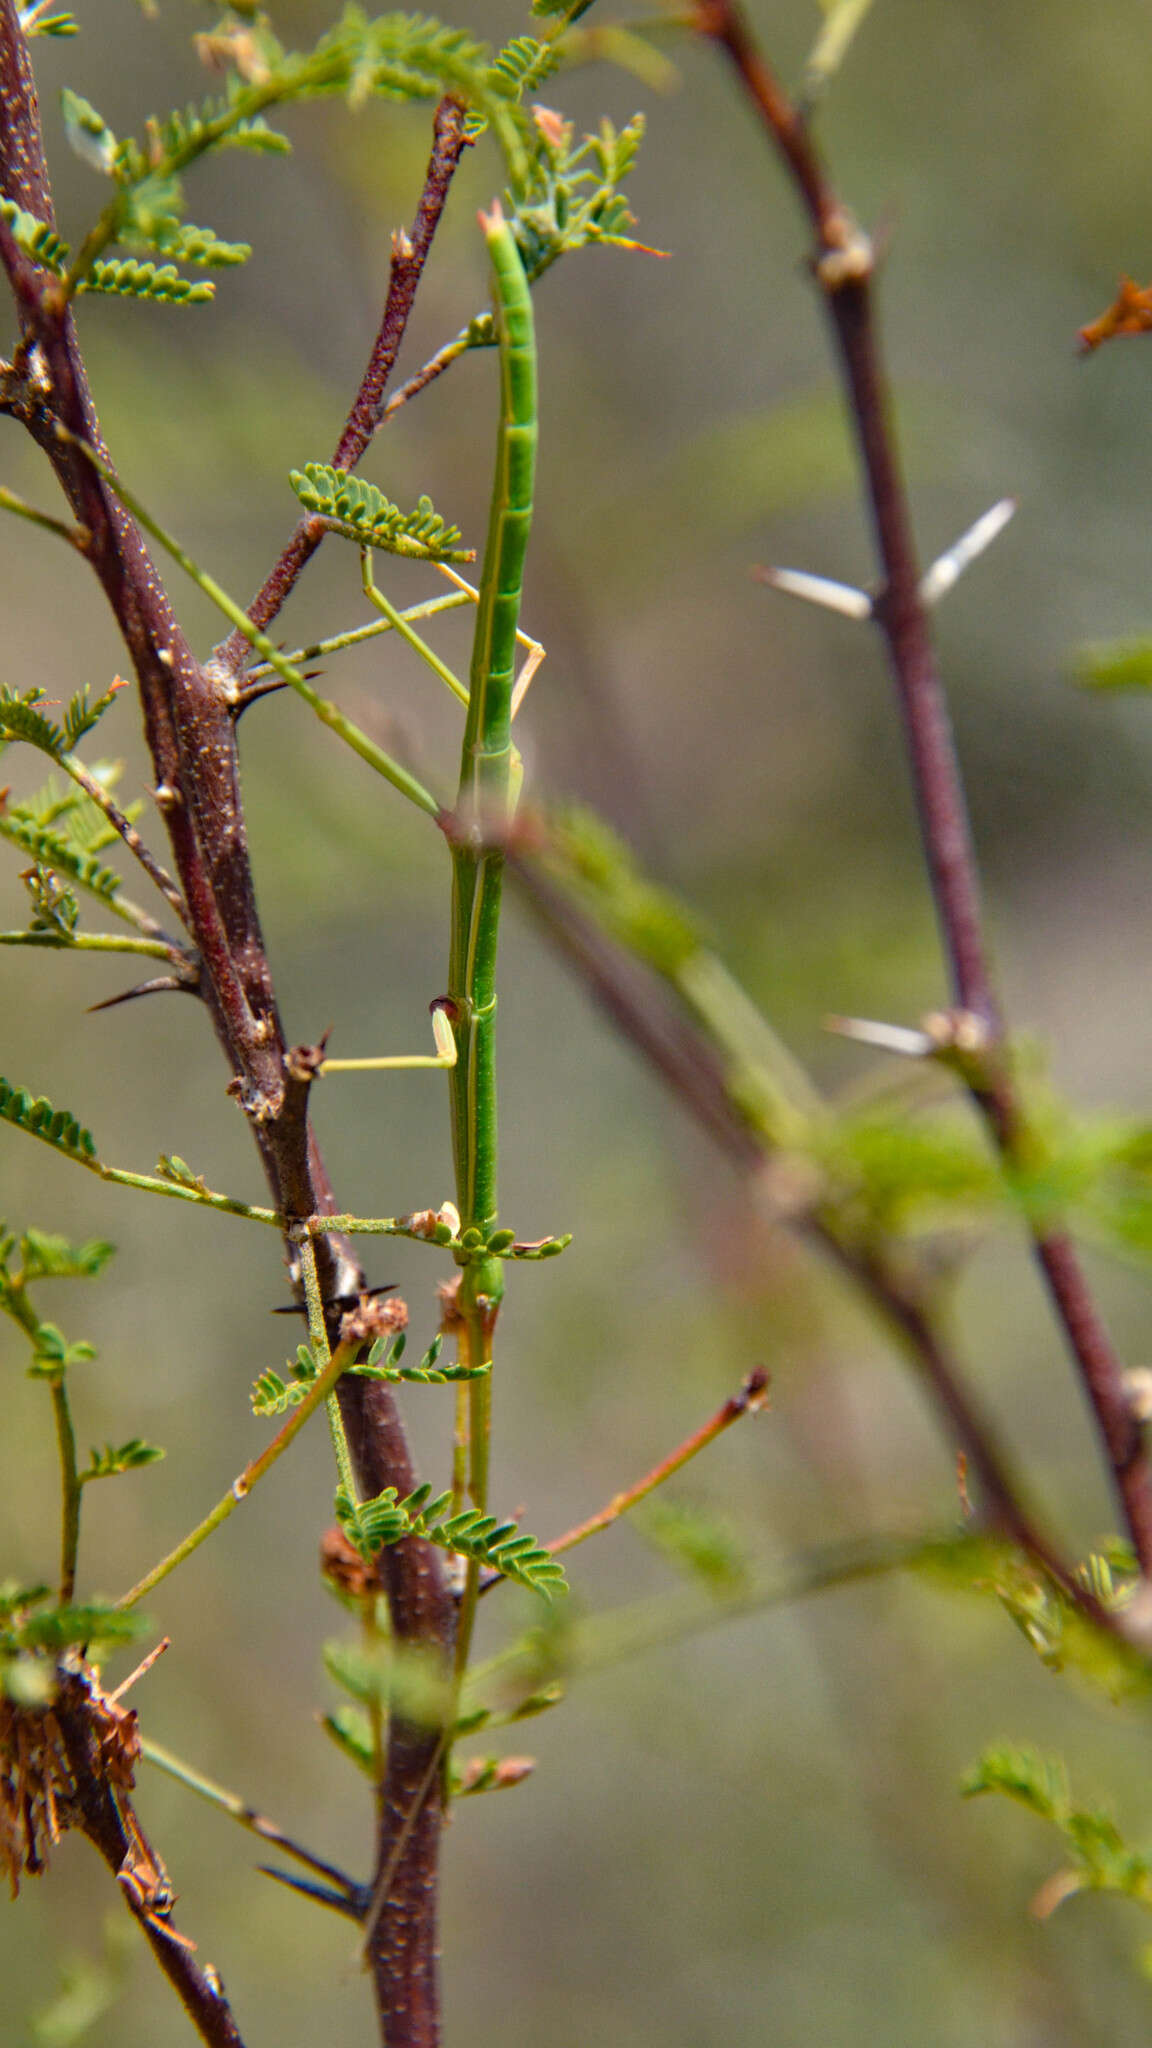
x: 486, y: 798
x: 485, y: 804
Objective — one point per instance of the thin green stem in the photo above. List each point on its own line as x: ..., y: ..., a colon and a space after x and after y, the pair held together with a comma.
x: 443, y: 1057
x: 358, y: 634
x: 435, y: 367
x: 229, y: 1802
x: 91, y: 942
x: 475, y: 1347
x: 399, y: 623
x: 121, y: 824
x: 399, y: 1062
x: 70, y: 1489
x: 751, y: 1398
x: 318, y: 1338
x: 151, y: 1184
x: 328, y: 713
x: 601, y: 1641
x: 343, y: 1356
x: 76, y: 536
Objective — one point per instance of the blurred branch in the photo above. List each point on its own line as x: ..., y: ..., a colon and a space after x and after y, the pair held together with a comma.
x: 844, y: 267
x: 694, y: 1066
x: 409, y: 255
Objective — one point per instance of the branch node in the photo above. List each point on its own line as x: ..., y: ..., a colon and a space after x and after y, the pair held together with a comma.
x: 848, y: 256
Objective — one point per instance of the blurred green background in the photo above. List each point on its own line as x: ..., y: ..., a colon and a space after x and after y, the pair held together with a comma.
x: 755, y: 1836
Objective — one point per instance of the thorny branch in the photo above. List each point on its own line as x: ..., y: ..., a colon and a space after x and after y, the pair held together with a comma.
x: 691, y: 1066
x: 189, y: 716
x: 409, y: 255
x: 844, y: 265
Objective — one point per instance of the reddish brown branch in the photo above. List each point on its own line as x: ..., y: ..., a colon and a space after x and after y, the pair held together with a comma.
x: 409, y: 255
x: 843, y: 267
x: 752, y: 1397
x: 190, y: 726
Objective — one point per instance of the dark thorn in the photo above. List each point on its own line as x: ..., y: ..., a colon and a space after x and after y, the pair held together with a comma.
x: 344, y: 1302
x: 354, y: 1900
x: 266, y: 687
x: 148, y: 988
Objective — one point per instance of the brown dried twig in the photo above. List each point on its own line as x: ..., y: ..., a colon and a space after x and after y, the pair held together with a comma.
x: 843, y: 265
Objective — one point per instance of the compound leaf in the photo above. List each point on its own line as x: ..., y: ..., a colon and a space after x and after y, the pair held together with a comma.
x: 56, y: 1127
x: 362, y: 513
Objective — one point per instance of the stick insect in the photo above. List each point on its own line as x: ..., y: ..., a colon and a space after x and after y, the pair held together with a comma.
x: 477, y: 828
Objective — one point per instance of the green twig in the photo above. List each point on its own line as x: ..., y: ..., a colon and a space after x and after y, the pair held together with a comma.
x: 601, y: 1641
x: 328, y: 713
x: 401, y: 625
x: 238, y: 1809
x: 93, y: 942
x: 76, y: 536
x: 358, y: 634
x: 343, y: 1356
x: 318, y: 1338
x: 70, y: 1489
x: 752, y: 1397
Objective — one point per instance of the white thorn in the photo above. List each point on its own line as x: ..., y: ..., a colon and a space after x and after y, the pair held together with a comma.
x: 948, y: 568
x: 913, y: 1045
x: 833, y: 597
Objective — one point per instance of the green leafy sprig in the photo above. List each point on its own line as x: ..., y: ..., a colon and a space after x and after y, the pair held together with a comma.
x: 1101, y: 1860
x: 362, y: 513
x: 397, y: 56
x: 499, y: 1546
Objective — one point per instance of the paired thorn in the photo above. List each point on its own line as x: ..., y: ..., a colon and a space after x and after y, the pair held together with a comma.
x: 346, y: 1303
x: 944, y: 574
x: 942, y: 1035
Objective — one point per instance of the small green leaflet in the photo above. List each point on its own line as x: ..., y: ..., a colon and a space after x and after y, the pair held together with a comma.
x: 35, y: 237
x: 361, y: 512
x: 35, y: 1114
x: 371, y: 1525
x: 171, y: 1167
x: 113, y: 1459
x: 21, y: 718
x: 273, y: 1396
x: 126, y: 277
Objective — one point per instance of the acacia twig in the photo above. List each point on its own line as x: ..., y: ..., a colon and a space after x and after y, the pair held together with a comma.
x: 157, y: 874
x: 409, y: 255
x: 189, y: 720
x: 752, y: 1397
x: 691, y: 1065
x: 843, y: 265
